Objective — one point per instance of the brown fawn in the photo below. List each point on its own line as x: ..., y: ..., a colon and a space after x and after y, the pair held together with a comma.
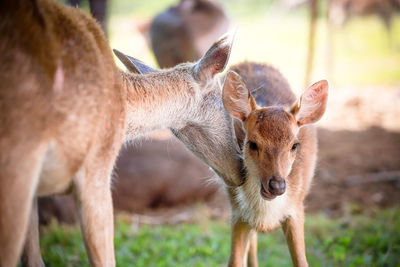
x: 65, y: 110
x: 279, y: 147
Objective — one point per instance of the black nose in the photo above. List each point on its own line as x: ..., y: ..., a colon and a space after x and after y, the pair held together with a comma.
x: 277, y: 186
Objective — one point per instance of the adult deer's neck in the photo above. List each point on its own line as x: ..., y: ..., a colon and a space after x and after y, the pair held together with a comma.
x: 155, y: 101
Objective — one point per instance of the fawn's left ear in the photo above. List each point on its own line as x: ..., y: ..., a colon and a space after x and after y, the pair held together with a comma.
x: 312, y: 104
x: 132, y: 64
x: 236, y: 98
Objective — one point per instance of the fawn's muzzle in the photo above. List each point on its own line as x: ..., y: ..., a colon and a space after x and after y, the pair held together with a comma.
x: 276, y: 186
x: 272, y: 187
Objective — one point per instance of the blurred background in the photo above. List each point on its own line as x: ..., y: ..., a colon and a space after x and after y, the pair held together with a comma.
x: 171, y: 211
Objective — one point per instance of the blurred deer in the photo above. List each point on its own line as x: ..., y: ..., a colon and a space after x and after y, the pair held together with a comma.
x: 66, y: 109
x: 339, y: 12
x: 98, y: 9
x: 278, y: 144
x: 184, y: 32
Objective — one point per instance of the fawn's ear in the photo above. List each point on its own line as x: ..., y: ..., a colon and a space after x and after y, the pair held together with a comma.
x: 312, y: 104
x: 132, y: 64
x: 236, y: 98
x: 215, y: 59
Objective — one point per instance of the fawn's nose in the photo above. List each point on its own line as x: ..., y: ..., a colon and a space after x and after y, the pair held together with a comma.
x: 276, y: 186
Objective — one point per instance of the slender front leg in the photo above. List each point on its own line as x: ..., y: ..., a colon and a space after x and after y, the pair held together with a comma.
x: 240, y: 236
x: 293, y: 228
x: 31, y: 256
x: 20, y: 166
x: 96, y: 215
x: 252, y: 254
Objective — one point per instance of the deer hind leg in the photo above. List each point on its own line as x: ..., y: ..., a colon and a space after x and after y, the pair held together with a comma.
x: 20, y: 167
x: 93, y: 195
x: 293, y: 228
x: 240, y: 236
x: 31, y: 256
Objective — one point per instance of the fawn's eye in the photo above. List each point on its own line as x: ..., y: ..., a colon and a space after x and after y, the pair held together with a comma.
x: 252, y: 145
x: 294, y: 147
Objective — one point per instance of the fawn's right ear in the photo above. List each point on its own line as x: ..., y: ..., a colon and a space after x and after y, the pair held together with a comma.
x: 132, y: 64
x: 236, y: 98
x: 215, y: 59
x: 312, y: 104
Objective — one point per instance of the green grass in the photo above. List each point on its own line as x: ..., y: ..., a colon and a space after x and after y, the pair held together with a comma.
x: 358, y: 240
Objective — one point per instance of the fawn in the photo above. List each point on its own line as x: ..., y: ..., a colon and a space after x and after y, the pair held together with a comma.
x: 65, y: 110
x: 279, y: 152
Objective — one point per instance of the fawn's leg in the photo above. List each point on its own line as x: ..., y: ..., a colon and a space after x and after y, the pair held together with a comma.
x: 252, y: 260
x: 96, y: 213
x: 240, y: 235
x: 293, y: 228
x: 31, y: 256
x: 20, y: 167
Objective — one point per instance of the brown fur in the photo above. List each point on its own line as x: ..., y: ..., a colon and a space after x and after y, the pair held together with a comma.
x: 184, y: 32
x: 65, y: 110
x: 274, y: 129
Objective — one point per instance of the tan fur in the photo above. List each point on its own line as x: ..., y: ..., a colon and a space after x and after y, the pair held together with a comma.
x: 274, y: 129
x: 65, y: 110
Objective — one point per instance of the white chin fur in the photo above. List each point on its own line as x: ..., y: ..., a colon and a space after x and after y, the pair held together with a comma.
x: 263, y: 215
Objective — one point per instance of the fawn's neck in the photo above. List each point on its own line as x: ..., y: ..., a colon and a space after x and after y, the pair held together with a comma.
x: 154, y: 102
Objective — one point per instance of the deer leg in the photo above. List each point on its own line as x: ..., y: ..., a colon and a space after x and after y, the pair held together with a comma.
x: 252, y: 260
x: 31, y: 256
x: 19, y: 175
x: 293, y: 228
x: 240, y: 236
x: 95, y: 211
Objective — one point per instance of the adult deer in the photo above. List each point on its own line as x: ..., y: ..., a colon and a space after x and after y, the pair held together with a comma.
x: 65, y: 110
x: 279, y: 147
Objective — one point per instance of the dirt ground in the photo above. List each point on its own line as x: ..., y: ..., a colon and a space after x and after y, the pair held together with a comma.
x: 358, y: 165
x: 359, y: 151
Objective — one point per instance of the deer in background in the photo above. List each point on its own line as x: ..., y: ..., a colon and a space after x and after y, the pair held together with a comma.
x: 66, y: 109
x: 184, y: 32
x: 279, y: 147
x: 339, y: 12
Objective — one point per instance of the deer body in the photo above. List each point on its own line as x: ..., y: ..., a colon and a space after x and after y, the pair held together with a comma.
x: 279, y: 152
x: 65, y: 110
x: 271, y: 89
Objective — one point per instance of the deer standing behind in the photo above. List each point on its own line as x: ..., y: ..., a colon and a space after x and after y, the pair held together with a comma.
x: 279, y: 147
x: 184, y: 32
x: 65, y: 110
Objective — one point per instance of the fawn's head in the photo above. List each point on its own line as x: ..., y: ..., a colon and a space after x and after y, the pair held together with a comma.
x: 207, y: 129
x: 271, y: 140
